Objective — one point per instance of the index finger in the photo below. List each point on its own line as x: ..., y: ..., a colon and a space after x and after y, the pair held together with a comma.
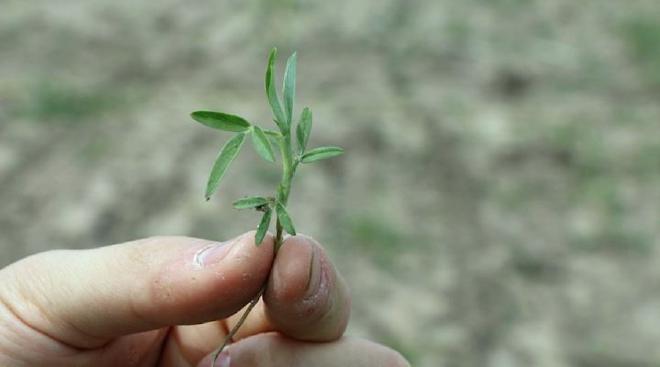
x: 84, y: 298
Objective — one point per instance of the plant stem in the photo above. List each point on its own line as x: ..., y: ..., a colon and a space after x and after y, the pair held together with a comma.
x: 288, y: 170
x: 230, y: 335
x: 283, y: 190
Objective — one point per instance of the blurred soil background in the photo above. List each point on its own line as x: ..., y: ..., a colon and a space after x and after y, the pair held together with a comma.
x: 499, y: 202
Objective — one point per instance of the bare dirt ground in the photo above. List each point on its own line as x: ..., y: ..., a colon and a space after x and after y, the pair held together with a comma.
x: 498, y: 204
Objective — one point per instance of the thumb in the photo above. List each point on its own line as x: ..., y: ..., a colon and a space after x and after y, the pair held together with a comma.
x: 85, y: 297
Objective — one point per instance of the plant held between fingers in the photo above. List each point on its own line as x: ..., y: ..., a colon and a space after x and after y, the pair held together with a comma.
x: 263, y: 141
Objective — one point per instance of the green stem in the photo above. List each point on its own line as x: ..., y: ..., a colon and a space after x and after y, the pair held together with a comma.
x: 230, y: 336
x: 288, y: 170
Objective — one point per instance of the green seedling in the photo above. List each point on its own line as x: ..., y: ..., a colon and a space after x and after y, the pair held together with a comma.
x: 263, y: 141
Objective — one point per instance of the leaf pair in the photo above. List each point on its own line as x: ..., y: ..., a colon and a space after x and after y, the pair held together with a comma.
x: 264, y: 224
x: 282, y: 117
x: 303, y: 131
x: 282, y: 215
x: 232, y: 123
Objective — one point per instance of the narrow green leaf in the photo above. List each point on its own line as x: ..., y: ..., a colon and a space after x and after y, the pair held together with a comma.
x: 227, y: 154
x: 274, y: 137
x: 304, y: 128
x: 284, y: 219
x: 221, y: 121
x: 317, y: 154
x: 289, y: 87
x: 261, y: 144
x: 263, y: 227
x: 271, y: 91
x: 272, y: 133
x: 250, y: 202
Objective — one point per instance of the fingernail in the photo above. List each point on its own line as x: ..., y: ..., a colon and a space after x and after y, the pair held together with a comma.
x: 213, y: 253
x: 315, y: 273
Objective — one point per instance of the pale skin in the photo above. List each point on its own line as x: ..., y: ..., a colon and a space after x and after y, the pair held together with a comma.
x: 169, y: 301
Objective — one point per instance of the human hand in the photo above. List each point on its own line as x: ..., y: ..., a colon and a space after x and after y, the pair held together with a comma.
x: 169, y: 301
